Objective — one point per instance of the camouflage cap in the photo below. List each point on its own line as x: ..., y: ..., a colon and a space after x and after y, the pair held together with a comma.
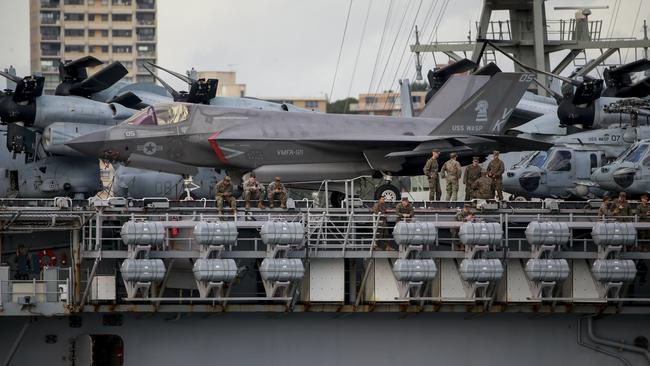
x: 405, y: 198
x: 453, y: 155
x: 435, y: 151
x: 277, y: 179
x: 226, y: 178
x: 476, y: 158
x: 495, y: 152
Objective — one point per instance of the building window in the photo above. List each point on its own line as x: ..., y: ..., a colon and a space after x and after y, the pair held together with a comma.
x: 73, y: 2
x: 98, y: 33
x: 370, y: 100
x: 97, y: 17
x: 122, y: 33
x: 146, y: 18
x: 49, y: 65
x: 49, y: 17
x: 98, y: 49
x: 146, y: 34
x: 311, y: 104
x: 74, y: 32
x: 49, y: 3
x: 73, y: 17
x: 391, y: 99
x: 145, y: 4
x: 127, y: 64
x: 50, y: 33
x: 122, y: 2
x: 416, y: 99
x: 50, y: 49
x: 122, y: 49
x: 146, y: 50
x: 74, y: 48
x: 122, y: 17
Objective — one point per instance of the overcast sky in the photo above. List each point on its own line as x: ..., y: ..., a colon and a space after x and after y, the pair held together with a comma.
x: 290, y: 47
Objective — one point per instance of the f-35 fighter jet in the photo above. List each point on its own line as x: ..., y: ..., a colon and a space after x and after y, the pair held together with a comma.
x: 308, y: 147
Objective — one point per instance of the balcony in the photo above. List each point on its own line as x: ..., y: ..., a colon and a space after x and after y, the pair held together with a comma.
x: 146, y: 38
x: 145, y: 5
x: 51, y: 37
x: 51, y: 52
x: 50, y: 4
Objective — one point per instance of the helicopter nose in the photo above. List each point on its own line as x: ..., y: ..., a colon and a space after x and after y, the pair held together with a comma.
x: 624, y: 177
x: 530, y: 180
x: 92, y: 144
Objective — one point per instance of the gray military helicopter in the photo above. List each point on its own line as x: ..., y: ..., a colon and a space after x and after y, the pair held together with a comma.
x: 31, y: 170
x: 305, y: 148
x: 629, y: 173
x: 554, y: 173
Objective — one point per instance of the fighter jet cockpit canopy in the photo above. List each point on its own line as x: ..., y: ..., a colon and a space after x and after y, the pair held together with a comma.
x: 161, y: 115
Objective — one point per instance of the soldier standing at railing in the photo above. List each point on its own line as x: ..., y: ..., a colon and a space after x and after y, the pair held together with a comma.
x: 431, y: 171
x: 379, y: 209
x: 495, y: 171
x: 472, y: 174
x: 451, y: 172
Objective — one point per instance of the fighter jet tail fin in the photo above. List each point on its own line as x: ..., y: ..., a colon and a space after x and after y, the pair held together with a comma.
x: 487, y: 110
x: 454, y: 91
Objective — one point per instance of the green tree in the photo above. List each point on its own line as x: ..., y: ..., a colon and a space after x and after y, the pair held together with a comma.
x: 341, y: 106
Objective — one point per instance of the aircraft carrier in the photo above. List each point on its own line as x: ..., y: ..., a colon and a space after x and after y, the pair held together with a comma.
x: 157, y: 282
x: 168, y: 278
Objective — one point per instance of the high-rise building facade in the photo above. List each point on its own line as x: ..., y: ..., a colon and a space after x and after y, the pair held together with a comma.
x: 110, y: 30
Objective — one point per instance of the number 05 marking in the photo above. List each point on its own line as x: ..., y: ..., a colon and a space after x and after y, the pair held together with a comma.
x: 526, y: 78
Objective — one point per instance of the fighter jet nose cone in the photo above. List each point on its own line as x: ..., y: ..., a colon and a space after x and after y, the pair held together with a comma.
x: 91, y: 144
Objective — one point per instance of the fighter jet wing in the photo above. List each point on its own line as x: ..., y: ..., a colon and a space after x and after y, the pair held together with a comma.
x: 464, y: 144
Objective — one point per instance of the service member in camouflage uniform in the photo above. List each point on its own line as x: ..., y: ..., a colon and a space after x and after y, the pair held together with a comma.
x: 464, y: 215
x: 277, y: 190
x: 404, y: 210
x: 253, y: 191
x: 495, y: 171
x: 472, y: 174
x: 606, y: 208
x: 451, y: 171
x: 482, y: 187
x: 379, y: 209
x: 643, y: 212
x: 622, y: 208
x: 431, y: 171
x: 223, y: 192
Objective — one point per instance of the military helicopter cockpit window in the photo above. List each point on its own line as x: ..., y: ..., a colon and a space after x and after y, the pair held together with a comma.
x: 636, y: 153
x: 539, y: 159
x: 160, y: 115
x: 560, y: 161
